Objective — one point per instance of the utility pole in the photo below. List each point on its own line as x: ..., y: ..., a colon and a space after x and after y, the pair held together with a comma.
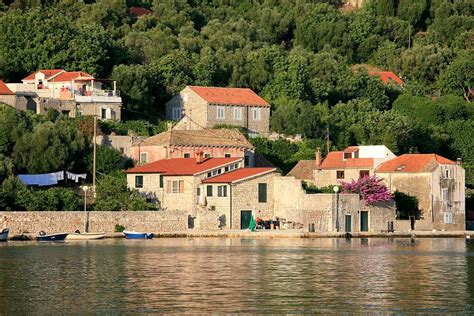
x: 328, y: 142
x: 95, y: 153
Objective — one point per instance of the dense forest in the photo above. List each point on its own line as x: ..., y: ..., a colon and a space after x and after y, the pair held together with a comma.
x: 298, y: 55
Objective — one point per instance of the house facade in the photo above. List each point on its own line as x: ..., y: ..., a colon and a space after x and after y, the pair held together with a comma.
x: 210, y: 106
x: 437, y: 183
x: 176, y: 143
x: 73, y: 93
x: 352, y: 163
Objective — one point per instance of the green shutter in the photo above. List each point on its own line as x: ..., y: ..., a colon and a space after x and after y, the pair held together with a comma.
x: 161, y: 181
x: 262, y: 193
x: 209, y: 190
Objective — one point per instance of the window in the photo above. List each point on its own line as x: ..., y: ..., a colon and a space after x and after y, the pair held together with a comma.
x: 238, y: 113
x: 209, y: 190
x: 447, y: 173
x: 364, y: 173
x: 448, y: 218
x: 340, y: 174
x: 176, y: 113
x: 222, y: 190
x: 198, y: 191
x: 138, y: 181
x: 262, y: 193
x: 246, y: 161
x: 162, y: 178
x: 226, y: 169
x: 257, y: 114
x: 221, y: 112
x: 445, y: 194
x: 103, y: 113
x: 187, y: 155
x: 122, y: 150
x: 207, y: 155
x: 227, y: 155
x: 209, y: 174
x: 347, y: 155
x: 143, y: 157
x: 175, y: 186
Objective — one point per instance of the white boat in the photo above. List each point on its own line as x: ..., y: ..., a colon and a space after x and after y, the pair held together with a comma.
x: 85, y: 236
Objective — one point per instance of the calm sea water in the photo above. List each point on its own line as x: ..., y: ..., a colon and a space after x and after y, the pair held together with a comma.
x: 238, y: 275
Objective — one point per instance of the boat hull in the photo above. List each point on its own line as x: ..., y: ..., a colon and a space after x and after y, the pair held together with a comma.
x: 137, y: 235
x: 52, y: 237
x: 85, y: 236
x: 4, y: 234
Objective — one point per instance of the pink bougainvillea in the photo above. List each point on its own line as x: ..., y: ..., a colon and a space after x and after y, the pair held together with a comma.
x: 370, y: 188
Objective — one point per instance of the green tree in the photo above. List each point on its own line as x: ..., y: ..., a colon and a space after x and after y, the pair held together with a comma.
x: 458, y: 77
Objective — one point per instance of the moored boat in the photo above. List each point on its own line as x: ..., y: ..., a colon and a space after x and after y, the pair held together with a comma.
x: 137, y: 235
x: 51, y: 237
x: 4, y: 234
x: 85, y: 236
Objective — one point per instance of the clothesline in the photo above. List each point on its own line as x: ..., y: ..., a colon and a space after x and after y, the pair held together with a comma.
x: 47, y: 179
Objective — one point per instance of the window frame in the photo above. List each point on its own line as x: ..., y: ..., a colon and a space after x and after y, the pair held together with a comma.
x: 222, y: 190
x: 209, y: 190
x: 176, y: 113
x: 146, y: 157
x: 220, y: 110
x: 257, y: 114
x: 238, y: 110
x: 444, y: 194
x: 262, y: 192
x: 339, y: 173
x: 137, y: 184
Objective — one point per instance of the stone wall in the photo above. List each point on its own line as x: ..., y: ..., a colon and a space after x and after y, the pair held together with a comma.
x: 325, y: 177
x: 122, y: 143
x: 54, y: 222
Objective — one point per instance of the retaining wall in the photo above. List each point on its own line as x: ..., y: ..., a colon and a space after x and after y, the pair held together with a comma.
x: 53, y: 222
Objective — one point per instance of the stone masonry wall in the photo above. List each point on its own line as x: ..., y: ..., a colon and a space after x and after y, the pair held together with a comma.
x: 54, y: 222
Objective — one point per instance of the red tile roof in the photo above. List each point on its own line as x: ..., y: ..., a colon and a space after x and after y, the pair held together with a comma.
x: 414, y: 163
x: 229, y: 96
x: 334, y: 160
x: 303, y: 170
x: 182, y: 166
x: 387, y: 77
x: 47, y: 73
x: 71, y: 75
x: 4, y: 90
x: 351, y: 149
x: 239, y: 175
x: 139, y: 11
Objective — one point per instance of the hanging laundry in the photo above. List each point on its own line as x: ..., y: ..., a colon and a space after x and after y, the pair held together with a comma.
x: 43, y: 179
x: 76, y: 177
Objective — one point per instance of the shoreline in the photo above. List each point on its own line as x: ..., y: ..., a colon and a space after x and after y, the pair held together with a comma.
x: 271, y: 234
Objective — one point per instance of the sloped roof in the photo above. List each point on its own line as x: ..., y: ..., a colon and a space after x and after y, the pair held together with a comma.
x: 4, y: 90
x: 72, y: 75
x: 182, y: 166
x: 229, y: 96
x: 414, y: 163
x: 351, y: 149
x: 303, y: 170
x: 48, y: 73
x: 387, y: 77
x: 222, y: 137
x: 239, y: 175
x: 334, y: 160
x: 139, y: 11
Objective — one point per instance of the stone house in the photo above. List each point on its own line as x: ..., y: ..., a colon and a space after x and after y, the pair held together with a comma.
x: 122, y: 143
x: 438, y: 184
x: 350, y: 164
x: 175, y: 182
x: 175, y: 143
x: 73, y: 93
x: 210, y: 106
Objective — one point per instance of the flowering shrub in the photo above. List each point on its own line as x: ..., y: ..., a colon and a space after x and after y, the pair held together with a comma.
x: 370, y: 188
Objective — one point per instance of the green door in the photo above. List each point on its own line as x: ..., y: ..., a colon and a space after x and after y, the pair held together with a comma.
x: 348, y: 223
x: 245, y: 219
x: 364, y: 221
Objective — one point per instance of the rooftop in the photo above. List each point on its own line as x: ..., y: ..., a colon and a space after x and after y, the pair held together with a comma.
x: 335, y: 160
x: 229, y: 96
x: 414, y: 163
x: 206, y: 137
x: 72, y: 75
x: 387, y: 77
x: 183, y: 166
x: 239, y: 175
x: 303, y: 170
x: 48, y: 73
x: 4, y: 90
x: 139, y: 11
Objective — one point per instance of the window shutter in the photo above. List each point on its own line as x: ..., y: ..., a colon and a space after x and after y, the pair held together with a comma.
x: 209, y: 190
x: 181, y: 186
x: 168, y: 186
x: 262, y: 192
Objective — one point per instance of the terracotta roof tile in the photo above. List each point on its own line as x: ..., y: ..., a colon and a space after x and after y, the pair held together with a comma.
x: 182, y: 166
x: 303, y: 170
x: 47, y: 73
x: 387, y: 77
x: 239, y: 175
x: 414, y: 163
x: 229, y: 96
x: 71, y: 75
x: 207, y: 137
x: 4, y: 90
x: 139, y: 11
x: 334, y: 160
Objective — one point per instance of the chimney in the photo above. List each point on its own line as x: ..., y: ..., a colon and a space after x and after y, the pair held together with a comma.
x: 318, y: 157
x: 199, y: 157
x: 459, y: 161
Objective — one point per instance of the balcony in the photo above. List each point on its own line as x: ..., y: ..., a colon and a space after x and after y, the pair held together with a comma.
x: 112, y: 96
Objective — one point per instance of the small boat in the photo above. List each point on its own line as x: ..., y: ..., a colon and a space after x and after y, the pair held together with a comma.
x: 137, y: 235
x: 4, y: 234
x: 85, y: 236
x: 52, y: 237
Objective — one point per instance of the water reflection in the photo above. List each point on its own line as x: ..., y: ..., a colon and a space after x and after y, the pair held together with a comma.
x: 238, y: 275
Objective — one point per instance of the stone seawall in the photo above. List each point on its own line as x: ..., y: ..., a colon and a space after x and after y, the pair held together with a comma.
x: 53, y: 222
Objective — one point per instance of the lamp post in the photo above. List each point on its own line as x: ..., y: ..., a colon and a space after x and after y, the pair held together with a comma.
x: 336, y: 191
x: 86, y: 217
